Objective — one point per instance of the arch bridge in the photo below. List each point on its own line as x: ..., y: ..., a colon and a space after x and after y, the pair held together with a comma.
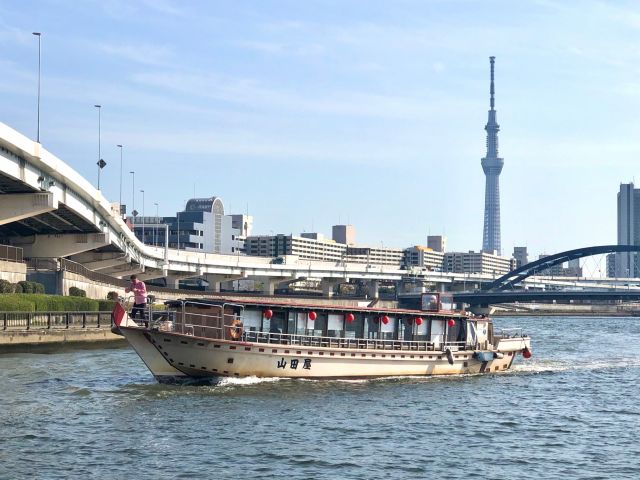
x: 535, y: 268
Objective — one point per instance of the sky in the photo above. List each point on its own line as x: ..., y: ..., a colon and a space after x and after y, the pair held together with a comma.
x: 309, y: 114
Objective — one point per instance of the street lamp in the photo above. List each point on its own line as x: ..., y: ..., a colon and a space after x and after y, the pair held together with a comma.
x: 155, y: 226
x: 39, y: 35
x: 133, y: 199
x: 100, y: 167
x: 143, y: 219
x: 120, y: 207
x: 101, y: 164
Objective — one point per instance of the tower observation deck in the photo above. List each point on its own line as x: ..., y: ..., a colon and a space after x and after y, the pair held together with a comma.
x: 492, y: 166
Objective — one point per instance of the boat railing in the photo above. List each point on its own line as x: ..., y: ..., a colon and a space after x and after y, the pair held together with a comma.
x: 224, y: 333
x: 513, y: 332
x: 350, y: 343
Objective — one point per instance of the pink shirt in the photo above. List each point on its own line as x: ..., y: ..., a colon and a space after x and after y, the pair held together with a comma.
x: 139, y: 290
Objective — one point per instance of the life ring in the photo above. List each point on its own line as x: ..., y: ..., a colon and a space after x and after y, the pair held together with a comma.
x: 235, y: 330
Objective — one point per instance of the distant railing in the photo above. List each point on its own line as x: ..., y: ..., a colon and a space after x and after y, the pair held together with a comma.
x: 11, y: 254
x: 54, y: 320
x: 74, y: 267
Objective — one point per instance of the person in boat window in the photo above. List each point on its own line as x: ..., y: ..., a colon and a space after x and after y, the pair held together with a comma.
x: 139, y: 290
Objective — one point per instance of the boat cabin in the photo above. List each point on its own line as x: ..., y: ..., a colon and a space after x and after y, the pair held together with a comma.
x: 330, y: 325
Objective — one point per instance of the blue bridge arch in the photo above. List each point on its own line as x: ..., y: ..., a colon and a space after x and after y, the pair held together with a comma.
x: 532, y: 268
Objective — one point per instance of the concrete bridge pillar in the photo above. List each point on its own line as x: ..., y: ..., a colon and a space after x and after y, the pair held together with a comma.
x: 214, y: 282
x: 374, y: 289
x: 328, y: 286
x: 173, y: 281
x: 18, y: 206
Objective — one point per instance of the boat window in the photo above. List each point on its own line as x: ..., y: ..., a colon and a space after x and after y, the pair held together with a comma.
x: 388, y: 330
x: 457, y: 332
x: 354, y: 329
x: 318, y: 327
x: 405, y: 329
x: 301, y: 323
x: 251, y: 319
x: 437, y: 331
x: 371, y: 327
x: 421, y: 332
x: 335, y: 325
x: 292, y: 326
x: 277, y: 323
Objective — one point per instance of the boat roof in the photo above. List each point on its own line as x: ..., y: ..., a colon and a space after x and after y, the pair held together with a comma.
x: 320, y: 307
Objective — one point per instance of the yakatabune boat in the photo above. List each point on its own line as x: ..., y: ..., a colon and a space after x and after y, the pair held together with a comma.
x: 203, y: 340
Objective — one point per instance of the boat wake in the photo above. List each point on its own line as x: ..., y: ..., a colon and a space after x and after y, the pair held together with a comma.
x: 551, y: 366
x: 246, y: 381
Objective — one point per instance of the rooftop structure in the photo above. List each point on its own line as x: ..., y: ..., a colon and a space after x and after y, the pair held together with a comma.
x: 437, y: 243
x: 492, y: 166
x: 344, y: 234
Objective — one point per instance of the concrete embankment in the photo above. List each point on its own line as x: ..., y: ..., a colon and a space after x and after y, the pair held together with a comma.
x: 25, y: 330
x: 48, y: 339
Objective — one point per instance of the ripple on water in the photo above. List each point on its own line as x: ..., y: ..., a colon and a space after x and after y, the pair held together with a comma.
x: 570, y: 411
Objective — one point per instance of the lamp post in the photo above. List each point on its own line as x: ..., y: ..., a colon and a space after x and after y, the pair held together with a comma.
x: 120, y: 204
x: 143, y: 219
x: 155, y: 226
x: 133, y: 198
x: 39, y: 35
x: 99, y: 107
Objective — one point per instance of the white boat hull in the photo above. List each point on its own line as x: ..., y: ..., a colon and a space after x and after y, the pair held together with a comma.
x: 175, y: 357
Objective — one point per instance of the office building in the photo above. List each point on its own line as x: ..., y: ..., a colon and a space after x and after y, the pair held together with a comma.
x: 521, y: 256
x: 201, y: 227
x: 313, y: 246
x: 424, y: 257
x: 477, y: 262
x: 437, y: 243
x: 628, y: 230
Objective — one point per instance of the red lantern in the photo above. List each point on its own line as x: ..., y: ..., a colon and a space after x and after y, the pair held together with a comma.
x: 385, y: 319
x: 268, y: 314
x: 312, y: 316
x: 349, y: 317
x: 526, y: 353
x: 451, y: 322
x: 419, y: 321
x: 409, y: 321
x: 376, y: 320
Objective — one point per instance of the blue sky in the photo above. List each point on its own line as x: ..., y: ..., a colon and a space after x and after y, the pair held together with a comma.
x: 321, y: 112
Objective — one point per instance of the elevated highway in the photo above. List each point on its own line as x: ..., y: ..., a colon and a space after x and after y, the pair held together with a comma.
x: 51, y: 211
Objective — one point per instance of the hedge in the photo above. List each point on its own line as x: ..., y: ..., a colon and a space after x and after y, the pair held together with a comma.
x: 106, y: 305
x: 28, y: 302
x: 11, y: 303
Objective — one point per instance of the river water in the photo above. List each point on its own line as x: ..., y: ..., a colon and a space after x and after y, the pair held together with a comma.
x: 570, y: 411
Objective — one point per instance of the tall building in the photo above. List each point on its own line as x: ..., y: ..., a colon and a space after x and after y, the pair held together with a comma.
x: 492, y: 166
x: 521, y: 255
x: 344, y: 234
x: 437, y: 243
x: 201, y: 227
x: 628, y: 230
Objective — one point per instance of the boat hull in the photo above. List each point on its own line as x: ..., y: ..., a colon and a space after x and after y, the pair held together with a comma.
x: 179, y: 358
